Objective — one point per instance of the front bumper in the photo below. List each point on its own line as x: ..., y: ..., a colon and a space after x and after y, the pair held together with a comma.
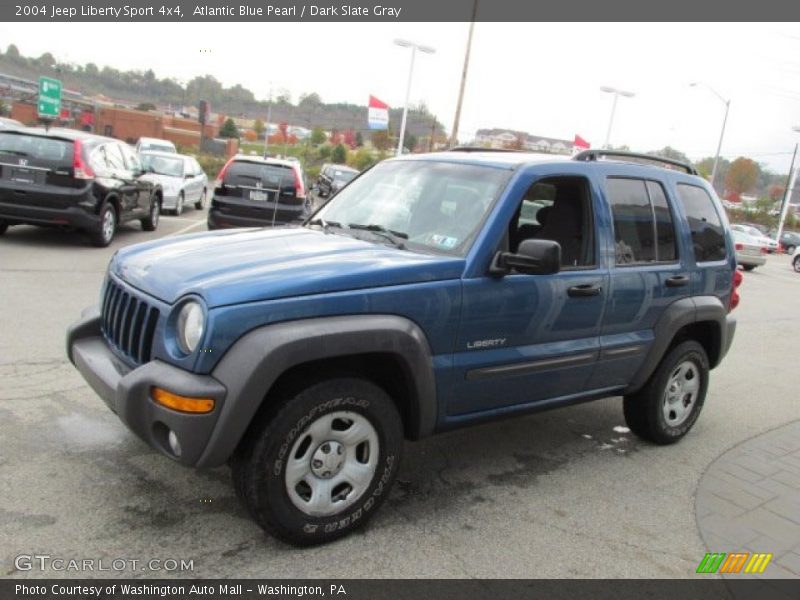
x: 126, y: 390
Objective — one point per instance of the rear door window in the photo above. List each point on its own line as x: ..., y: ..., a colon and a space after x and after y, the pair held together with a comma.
x: 644, y: 231
x: 708, y: 236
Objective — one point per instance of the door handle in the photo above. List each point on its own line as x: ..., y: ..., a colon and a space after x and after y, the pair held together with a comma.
x: 677, y: 281
x: 584, y: 291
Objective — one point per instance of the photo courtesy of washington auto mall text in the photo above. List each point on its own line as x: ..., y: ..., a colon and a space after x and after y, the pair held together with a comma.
x: 476, y: 299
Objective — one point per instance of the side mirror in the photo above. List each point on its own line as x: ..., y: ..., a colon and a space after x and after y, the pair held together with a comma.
x: 533, y: 257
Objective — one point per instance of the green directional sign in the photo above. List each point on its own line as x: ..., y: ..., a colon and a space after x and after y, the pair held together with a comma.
x: 49, y: 97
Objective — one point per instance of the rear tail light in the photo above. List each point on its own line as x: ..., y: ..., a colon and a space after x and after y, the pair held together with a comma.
x: 221, y: 176
x: 300, y: 190
x: 80, y: 168
x: 763, y: 250
x: 737, y: 281
x: 739, y: 246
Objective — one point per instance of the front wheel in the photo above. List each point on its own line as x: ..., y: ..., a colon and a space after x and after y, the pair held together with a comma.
x: 3, y: 227
x: 789, y: 249
x: 201, y: 203
x: 323, y: 462
x: 666, y: 408
x: 179, y: 205
x: 796, y: 263
x: 748, y: 267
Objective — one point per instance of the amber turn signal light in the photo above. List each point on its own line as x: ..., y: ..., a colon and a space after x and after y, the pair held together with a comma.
x: 184, y: 404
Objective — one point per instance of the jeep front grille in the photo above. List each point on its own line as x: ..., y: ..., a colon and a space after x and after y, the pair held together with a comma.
x: 128, y: 323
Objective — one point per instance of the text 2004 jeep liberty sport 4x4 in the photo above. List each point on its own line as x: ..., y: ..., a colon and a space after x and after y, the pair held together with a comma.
x: 432, y: 292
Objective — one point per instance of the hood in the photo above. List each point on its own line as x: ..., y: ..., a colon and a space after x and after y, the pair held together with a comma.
x: 247, y: 265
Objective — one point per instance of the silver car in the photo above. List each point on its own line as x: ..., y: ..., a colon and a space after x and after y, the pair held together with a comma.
x: 181, y: 178
x: 750, y: 252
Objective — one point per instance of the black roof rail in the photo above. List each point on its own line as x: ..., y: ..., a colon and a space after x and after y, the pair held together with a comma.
x: 594, y: 155
x: 479, y: 149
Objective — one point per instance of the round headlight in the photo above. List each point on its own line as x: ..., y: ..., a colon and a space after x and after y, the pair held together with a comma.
x: 191, y: 322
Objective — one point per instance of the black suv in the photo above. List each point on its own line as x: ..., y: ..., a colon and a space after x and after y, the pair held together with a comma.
x: 333, y: 177
x: 255, y: 192
x: 73, y: 180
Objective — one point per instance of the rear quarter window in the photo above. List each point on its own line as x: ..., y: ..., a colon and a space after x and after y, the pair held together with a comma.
x: 708, y: 234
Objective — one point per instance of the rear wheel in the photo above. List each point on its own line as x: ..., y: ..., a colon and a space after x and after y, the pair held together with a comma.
x: 796, y: 263
x: 201, y: 204
x: 748, y: 267
x: 151, y: 222
x: 789, y: 249
x: 3, y: 227
x: 108, y: 226
x: 666, y: 408
x: 322, y: 463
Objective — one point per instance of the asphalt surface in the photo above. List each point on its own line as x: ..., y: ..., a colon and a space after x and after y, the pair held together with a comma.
x: 568, y: 493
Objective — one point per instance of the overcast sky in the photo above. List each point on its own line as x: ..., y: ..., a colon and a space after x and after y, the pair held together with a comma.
x: 543, y: 78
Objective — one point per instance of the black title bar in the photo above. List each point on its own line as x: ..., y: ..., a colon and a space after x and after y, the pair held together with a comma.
x: 395, y: 10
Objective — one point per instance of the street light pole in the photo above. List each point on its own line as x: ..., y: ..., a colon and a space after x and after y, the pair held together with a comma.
x: 617, y: 93
x: 414, y: 47
x: 787, y: 195
x: 727, y: 104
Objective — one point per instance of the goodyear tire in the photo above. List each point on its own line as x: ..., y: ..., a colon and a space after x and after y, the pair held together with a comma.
x: 667, y: 407
x: 322, y: 462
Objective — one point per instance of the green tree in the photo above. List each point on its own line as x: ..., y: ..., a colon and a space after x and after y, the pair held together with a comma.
x: 146, y: 106
x: 339, y: 154
x: 318, y: 136
x: 12, y: 52
x: 742, y: 176
x: 2, y: 108
x: 229, y: 129
x: 324, y: 152
x: 672, y: 153
x: 359, y: 140
x: 361, y: 159
x: 259, y: 128
x: 380, y: 139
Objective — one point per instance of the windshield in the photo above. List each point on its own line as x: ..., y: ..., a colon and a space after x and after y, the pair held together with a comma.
x: 163, y: 165
x: 433, y: 206
x: 156, y: 147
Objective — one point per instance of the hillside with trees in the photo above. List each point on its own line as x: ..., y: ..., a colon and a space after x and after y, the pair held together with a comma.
x: 135, y: 88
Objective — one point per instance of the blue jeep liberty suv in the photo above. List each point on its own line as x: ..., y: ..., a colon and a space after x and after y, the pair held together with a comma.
x: 432, y: 292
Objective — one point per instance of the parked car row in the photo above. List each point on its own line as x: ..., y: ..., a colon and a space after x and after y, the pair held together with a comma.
x: 81, y: 181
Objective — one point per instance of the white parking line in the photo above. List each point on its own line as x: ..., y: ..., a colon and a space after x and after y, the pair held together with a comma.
x: 188, y: 228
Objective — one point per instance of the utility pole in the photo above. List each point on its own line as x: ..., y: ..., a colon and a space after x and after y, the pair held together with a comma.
x: 454, y: 134
x: 266, y: 128
x: 787, y: 196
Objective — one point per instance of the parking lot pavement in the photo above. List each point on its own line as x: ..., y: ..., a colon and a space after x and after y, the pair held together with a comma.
x: 749, y: 500
x: 568, y: 493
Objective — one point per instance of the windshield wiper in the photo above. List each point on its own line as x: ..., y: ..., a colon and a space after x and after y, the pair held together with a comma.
x: 326, y: 225
x: 395, y: 237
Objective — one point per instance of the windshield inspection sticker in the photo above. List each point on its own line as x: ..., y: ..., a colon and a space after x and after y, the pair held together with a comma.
x: 444, y: 241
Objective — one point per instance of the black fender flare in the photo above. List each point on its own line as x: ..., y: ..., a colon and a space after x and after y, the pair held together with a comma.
x: 677, y: 315
x: 254, y: 363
